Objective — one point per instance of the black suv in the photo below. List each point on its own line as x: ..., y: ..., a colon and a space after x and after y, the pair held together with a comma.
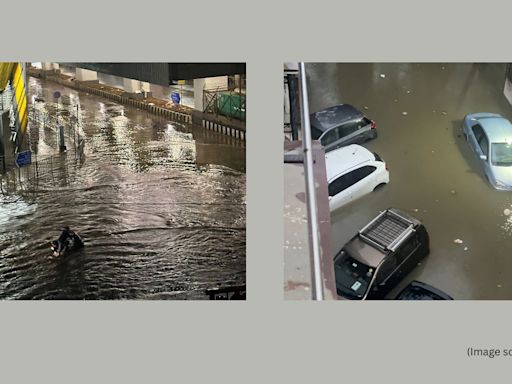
x: 341, y: 125
x: 376, y: 259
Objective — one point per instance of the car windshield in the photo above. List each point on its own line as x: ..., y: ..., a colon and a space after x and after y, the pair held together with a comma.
x: 501, y: 154
x: 352, y: 277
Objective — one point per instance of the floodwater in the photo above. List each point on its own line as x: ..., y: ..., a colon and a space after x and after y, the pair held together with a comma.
x: 160, y: 206
x: 433, y: 174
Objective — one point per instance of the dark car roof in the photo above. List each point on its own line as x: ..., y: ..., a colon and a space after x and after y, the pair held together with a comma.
x: 389, y: 225
x: 417, y: 290
x: 332, y: 117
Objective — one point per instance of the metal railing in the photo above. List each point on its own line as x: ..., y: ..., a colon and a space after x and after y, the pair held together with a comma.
x: 59, y: 167
x: 225, y: 102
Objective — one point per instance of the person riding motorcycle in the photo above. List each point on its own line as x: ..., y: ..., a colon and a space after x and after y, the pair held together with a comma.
x: 66, y: 240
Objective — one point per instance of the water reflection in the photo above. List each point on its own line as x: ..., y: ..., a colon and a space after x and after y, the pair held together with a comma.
x: 160, y: 205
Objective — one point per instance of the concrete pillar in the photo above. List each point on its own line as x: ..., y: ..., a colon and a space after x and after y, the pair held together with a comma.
x: 136, y: 89
x: 144, y: 86
x: 131, y: 86
x: 55, y: 66
x: 219, y: 82
x: 209, y: 83
x: 199, y: 85
x: 85, y: 74
x: 46, y: 66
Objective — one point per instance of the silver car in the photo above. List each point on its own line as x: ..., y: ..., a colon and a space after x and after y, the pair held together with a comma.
x: 490, y: 137
x: 341, y: 125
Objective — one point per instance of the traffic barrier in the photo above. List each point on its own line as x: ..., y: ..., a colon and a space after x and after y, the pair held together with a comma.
x: 225, y: 129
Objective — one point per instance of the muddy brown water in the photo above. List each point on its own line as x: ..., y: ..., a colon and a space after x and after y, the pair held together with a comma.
x: 160, y: 205
x: 433, y: 174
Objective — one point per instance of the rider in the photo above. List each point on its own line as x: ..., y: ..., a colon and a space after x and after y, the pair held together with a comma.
x: 66, y: 235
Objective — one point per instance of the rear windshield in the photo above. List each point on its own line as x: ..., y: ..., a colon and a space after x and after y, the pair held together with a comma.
x: 352, y: 277
x: 501, y: 154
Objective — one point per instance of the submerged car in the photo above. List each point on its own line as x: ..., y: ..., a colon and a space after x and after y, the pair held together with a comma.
x: 341, y: 125
x: 417, y: 290
x: 377, y: 258
x: 490, y: 136
x: 353, y: 172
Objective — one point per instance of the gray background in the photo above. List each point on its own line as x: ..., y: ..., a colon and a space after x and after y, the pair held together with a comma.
x: 264, y: 339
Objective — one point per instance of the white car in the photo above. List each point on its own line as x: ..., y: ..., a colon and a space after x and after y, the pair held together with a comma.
x: 352, y: 172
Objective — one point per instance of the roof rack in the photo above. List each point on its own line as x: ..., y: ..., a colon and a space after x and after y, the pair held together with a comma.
x: 387, y: 231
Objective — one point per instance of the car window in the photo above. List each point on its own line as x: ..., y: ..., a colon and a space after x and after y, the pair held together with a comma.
x: 341, y: 183
x: 329, y: 137
x: 361, y: 123
x: 477, y: 131
x: 407, y: 248
x: 362, y: 172
x: 484, y: 145
x: 349, y: 179
x: 347, y: 129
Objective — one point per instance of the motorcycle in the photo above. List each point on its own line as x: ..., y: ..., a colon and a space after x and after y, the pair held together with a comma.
x: 72, y: 244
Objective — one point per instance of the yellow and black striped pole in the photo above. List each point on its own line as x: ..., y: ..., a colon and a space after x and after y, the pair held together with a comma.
x: 6, y: 71
x: 20, y: 99
x: 14, y: 72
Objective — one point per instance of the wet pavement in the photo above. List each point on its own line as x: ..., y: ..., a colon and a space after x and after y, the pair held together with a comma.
x: 434, y: 176
x: 160, y: 205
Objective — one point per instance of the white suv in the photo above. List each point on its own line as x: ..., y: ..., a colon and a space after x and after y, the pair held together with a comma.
x: 352, y: 172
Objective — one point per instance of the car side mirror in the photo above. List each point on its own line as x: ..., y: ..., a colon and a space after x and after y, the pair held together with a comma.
x: 483, y: 157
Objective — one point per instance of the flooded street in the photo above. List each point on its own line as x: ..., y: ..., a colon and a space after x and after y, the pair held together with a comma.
x: 434, y: 176
x: 160, y: 206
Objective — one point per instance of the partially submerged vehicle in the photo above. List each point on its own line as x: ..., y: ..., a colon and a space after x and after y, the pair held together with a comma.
x: 490, y: 137
x: 380, y: 255
x: 73, y: 244
x: 352, y: 172
x: 341, y: 125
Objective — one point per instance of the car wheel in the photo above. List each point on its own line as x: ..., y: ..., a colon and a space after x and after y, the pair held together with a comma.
x: 380, y: 186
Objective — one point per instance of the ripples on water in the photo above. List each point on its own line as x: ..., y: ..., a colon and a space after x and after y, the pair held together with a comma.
x: 156, y: 223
